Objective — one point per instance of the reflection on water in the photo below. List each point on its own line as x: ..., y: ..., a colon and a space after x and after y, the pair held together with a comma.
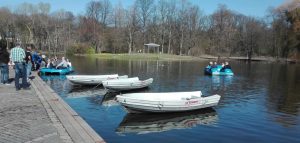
x: 149, y: 123
x: 109, y: 99
x: 260, y: 103
x: 284, y: 94
x: 86, y: 93
x: 221, y: 83
x: 58, y: 83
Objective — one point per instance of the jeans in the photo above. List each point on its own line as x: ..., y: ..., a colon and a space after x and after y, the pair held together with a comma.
x: 20, y: 70
x: 4, y: 73
x: 28, y: 68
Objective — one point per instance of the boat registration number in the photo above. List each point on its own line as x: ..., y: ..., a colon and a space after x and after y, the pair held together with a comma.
x: 191, y: 102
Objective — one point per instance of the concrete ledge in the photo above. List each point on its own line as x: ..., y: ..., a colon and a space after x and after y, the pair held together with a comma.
x: 77, y: 129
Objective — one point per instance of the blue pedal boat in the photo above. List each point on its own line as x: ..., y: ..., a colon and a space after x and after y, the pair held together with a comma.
x: 217, y: 71
x: 54, y: 71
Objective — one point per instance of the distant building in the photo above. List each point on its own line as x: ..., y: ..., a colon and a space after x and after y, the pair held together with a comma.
x: 152, y: 46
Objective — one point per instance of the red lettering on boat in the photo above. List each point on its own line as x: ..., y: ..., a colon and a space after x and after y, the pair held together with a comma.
x: 191, y: 102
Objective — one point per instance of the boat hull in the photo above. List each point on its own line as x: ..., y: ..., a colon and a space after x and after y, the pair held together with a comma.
x: 217, y: 71
x: 143, y: 109
x: 54, y: 71
x: 134, y: 105
x: 92, y: 79
x: 127, y: 85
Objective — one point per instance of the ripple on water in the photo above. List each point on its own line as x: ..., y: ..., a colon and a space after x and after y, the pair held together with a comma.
x: 260, y: 103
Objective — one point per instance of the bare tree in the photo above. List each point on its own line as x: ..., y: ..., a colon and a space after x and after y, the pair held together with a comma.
x: 178, y: 26
x: 93, y: 12
x: 182, y: 20
x: 118, y: 32
x: 171, y: 16
x: 131, y: 26
x: 105, y: 11
x: 145, y: 9
x: 192, y: 25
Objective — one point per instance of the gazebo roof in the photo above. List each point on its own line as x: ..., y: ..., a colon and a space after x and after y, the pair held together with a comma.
x: 152, y: 45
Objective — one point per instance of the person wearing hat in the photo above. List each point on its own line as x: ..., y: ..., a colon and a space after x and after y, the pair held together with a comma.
x: 17, y: 55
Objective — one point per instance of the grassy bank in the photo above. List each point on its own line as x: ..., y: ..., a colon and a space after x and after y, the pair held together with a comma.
x: 168, y: 57
x: 261, y: 58
x: 162, y: 57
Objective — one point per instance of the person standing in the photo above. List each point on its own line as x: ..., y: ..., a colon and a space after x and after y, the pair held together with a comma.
x: 17, y: 55
x: 38, y: 61
x: 28, y: 61
x: 4, y: 59
x: 34, y: 59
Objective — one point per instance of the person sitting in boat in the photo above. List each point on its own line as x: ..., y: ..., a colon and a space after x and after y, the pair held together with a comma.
x: 225, y: 66
x: 63, y: 64
x: 215, y: 65
x: 43, y: 62
x: 69, y: 63
x: 54, y: 61
x: 50, y: 64
x: 209, y: 65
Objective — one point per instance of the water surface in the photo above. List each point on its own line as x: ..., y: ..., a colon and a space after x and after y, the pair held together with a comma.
x: 260, y: 103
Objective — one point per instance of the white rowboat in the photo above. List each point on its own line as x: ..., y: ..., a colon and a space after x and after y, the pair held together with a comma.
x: 127, y: 84
x: 166, y: 102
x: 92, y: 79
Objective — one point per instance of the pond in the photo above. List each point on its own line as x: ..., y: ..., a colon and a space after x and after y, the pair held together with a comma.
x: 260, y: 103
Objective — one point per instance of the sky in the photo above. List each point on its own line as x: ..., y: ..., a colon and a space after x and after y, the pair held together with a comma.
x: 256, y: 8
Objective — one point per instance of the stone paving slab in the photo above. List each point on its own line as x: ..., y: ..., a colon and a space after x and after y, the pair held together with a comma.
x: 76, y: 127
x: 39, y: 115
x: 23, y: 118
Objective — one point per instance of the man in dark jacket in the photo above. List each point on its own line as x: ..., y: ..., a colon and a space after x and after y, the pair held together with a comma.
x: 4, y: 59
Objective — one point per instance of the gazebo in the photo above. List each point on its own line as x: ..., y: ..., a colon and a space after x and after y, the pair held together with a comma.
x: 152, y: 45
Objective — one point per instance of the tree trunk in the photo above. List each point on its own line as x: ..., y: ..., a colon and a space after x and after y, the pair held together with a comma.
x: 130, y: 43
x: 169, y: 42
x: 162, y: 44
x: 30, y: 38
x: 181, y: 42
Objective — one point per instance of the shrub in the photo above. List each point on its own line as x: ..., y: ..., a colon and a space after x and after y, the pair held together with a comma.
x: 80, y: 48
x: 90, y: 50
